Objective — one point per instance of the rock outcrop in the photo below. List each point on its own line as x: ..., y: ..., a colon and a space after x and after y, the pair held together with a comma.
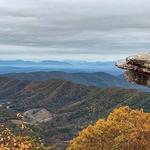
x: 36, y: 116
x: 137, y: 68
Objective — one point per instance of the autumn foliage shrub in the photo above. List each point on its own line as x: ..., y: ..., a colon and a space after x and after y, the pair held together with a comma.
x: 8, y: 141
x: 123, y: 129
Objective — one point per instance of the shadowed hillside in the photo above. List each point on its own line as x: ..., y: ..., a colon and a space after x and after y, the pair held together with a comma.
x: 98, y: 79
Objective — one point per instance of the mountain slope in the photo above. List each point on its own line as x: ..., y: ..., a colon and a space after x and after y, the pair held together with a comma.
x: 99, y: 79
x: 75, y: 106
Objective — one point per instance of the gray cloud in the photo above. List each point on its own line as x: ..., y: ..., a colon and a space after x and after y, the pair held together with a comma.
x: 44, y: 29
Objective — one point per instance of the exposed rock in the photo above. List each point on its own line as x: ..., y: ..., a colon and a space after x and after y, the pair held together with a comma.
x: 137, y: 68
x: 16, y: 122
x: 35, y: 116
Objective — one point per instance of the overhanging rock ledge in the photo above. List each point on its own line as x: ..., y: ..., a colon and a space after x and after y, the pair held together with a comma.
x: 137, y: 68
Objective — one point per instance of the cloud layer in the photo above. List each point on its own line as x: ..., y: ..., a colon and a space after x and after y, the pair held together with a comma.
x: 58, y: 29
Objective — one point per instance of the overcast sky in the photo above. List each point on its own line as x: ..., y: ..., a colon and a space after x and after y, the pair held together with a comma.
x: 73, y: 29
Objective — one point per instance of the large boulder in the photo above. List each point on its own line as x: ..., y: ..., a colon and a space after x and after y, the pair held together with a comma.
x: 137, y: 68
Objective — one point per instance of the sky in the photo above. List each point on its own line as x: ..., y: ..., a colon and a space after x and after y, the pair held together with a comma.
x: 73, y: 29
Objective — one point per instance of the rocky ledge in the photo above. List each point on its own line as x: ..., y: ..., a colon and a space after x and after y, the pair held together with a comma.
x: 137, y: 68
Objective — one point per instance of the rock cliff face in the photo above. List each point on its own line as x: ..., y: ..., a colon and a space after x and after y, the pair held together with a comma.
x: 137, y: 68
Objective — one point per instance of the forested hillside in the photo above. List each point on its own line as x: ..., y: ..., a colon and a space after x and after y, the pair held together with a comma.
x: 72, y: 106
x: 99, y: 79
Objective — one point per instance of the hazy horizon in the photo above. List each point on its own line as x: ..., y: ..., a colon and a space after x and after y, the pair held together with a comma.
x: 85, y: 58
x: 63, y: 59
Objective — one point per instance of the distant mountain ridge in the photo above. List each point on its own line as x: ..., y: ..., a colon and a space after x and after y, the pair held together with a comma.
x: 31, y: 63
x: 98, y: 79
x: 20, y: 66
